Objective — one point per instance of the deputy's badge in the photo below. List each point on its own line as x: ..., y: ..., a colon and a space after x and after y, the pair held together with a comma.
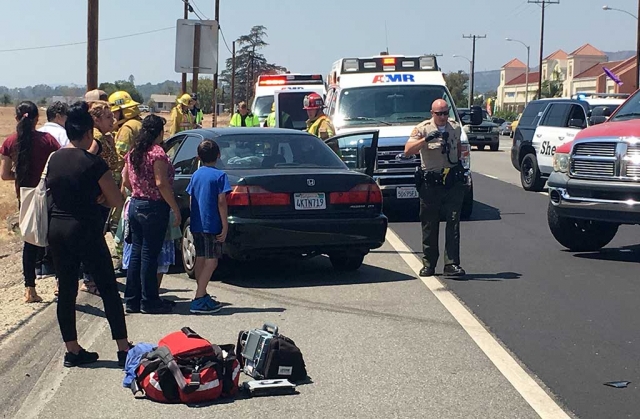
x: 416, y: 133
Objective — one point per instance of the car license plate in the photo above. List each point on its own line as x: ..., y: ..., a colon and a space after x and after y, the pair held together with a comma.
x: 480, y: 137
x: 310, y: 201
x: 406, y: 192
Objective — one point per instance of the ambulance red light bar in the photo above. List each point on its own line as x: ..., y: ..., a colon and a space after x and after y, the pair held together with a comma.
x: 284, y: 79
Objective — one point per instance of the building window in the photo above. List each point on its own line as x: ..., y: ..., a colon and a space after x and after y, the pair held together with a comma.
x: 570, y: 71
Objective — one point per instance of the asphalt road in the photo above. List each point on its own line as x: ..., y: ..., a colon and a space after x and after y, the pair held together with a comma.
x: 571, y: 318
x: 377, y: 343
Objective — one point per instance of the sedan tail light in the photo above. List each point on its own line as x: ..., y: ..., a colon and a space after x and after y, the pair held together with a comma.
x: 256, y: 196
x: 368, y: 193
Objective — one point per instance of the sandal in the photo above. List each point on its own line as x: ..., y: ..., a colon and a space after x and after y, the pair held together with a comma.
x: 90, y: 287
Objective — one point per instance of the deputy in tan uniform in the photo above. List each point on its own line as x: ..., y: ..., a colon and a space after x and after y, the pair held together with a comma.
x: 440, y: 184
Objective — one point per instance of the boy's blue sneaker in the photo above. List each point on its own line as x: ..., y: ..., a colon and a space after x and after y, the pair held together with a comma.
x: 204, y: 305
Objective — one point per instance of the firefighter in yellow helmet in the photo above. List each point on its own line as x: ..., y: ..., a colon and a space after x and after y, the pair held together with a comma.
x: 181, y: 117
x: 128, y: 121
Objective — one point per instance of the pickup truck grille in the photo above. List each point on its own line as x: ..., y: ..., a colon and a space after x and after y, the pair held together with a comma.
x: 595, y: 149
x: 608, y: 159
x: 480, y: 129
x: 392, y: 159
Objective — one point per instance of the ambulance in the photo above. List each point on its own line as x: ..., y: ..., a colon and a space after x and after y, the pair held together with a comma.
x: 392, y: 93
x: 267, y: 85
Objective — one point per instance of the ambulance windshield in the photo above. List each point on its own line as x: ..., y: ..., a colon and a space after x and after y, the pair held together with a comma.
x: 400, y: 104
x: 262, y: 106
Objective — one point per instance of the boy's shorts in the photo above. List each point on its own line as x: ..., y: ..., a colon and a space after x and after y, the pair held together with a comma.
x: 207, y: 246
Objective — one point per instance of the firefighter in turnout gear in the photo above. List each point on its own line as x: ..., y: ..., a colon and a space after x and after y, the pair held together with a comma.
x: 181, y: 117
x: 440, y: 182
x: 128, y: 121
x: 318, y: 123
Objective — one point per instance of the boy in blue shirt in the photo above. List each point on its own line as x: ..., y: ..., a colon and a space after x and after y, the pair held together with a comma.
x: 208, y: 189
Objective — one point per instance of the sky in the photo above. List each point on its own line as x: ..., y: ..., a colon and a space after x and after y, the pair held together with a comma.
x: 303, y: 36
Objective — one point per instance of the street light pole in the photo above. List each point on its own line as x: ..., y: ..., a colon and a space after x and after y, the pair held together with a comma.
x: 470, y: 70
x: 637, y: 38
x: 526, y: 94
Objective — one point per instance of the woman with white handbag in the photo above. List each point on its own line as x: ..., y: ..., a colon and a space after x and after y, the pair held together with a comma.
x: 24, y: 156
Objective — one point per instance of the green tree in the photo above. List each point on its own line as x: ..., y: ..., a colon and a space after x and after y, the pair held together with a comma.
x: 457, y: 85
x: 43, y: 101
x: 6, y: 99
x: 125, y: 85
x: 552, y: 87
x: 250, y: 63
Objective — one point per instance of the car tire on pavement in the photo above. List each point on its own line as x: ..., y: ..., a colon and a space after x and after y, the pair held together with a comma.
x: 188, y: 250
x: 495, y: 147
x: 530, y: 174
x: 346, y: 262
x: 580, y: 235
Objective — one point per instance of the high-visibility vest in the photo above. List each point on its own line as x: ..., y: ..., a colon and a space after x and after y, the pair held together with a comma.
x: 271, y: 120
x: 251, y: 120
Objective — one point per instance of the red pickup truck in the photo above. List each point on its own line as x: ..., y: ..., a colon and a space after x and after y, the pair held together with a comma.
x: 595, y: 184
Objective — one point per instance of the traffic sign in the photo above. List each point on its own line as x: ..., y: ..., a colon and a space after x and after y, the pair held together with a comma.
x: 207, y: 62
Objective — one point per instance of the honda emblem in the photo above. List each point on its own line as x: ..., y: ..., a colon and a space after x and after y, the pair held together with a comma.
x: 311, y: 182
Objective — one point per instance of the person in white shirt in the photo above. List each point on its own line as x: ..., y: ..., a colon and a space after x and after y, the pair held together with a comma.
x: 56, y: 117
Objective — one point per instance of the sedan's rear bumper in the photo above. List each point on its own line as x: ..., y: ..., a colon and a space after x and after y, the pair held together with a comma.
x: 258, y: 237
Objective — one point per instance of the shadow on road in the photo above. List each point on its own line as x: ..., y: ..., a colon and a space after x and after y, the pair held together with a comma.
x: 483, y: 212
x: 500, y: 276
x: 287, y: 273
x: 409, y: 213
x: 620, y: 254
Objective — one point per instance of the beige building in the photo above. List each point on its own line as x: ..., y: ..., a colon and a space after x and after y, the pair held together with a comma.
x: 164, y: 103
x: 579, y: 71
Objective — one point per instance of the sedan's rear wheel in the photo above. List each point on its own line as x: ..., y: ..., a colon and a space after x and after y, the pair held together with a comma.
x: 346, y: 262
x: 188, y: 250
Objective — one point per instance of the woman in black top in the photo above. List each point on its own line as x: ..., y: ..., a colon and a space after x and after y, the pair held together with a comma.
x: 79, y: 183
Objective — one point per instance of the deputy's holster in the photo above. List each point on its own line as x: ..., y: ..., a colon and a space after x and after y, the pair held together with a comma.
x: 446, y: 177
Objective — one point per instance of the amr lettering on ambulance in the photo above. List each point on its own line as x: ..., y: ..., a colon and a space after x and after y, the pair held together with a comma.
x: 268, y: 84
x: 389, y: 94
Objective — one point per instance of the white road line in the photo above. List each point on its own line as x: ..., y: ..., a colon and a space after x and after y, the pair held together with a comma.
x: 490, y: 176
x: 544, y: 193
x: 524, y: 384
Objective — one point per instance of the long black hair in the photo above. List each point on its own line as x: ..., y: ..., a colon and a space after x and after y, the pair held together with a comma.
x: 79, y: 121
x: 26, y: 114
x: 152, y: 127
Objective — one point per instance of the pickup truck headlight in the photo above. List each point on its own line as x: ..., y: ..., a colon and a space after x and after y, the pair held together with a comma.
x: 495, y: 130
x: 561, y: 162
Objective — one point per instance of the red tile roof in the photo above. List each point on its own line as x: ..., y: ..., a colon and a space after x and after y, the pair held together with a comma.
x: 558, y: 55
x: 587, y: 49
x: 596, y: 70
x: 521, y: 79
x: 515, y: 63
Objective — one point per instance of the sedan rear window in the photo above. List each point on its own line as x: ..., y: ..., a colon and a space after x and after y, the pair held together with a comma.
x: 275, y: 151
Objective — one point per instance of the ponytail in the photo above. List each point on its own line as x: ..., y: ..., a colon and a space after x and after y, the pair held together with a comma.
x: 26, y: 115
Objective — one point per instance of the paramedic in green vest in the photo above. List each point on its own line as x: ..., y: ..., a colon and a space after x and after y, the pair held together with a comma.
x: 197, y: 113
x: 270, y: 122
x: 319, y: 123
x: 244, y: 118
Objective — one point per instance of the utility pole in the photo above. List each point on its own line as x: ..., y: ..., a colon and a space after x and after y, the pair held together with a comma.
x: 473, y: 63
x: 544, y: 4
x: 196, y: 57
x: 233, y: 77
x: 92, y: 44
x: 184, y: 75
x: 214, y: 121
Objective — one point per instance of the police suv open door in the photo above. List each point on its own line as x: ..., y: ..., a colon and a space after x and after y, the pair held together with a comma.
x: 359, y: 150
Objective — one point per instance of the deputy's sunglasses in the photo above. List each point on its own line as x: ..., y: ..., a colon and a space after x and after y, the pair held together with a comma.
x: 444, y: 113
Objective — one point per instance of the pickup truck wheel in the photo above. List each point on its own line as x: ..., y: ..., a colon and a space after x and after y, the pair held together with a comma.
x: 495, y: 147
x: 530, y: 174
x: 580, y: 235
x: 349, y: 262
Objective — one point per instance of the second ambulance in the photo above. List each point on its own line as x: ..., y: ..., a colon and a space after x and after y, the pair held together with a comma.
x: 392, y: 94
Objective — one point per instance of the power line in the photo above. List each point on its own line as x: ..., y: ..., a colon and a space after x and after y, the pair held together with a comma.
x: 191, y: 8
x: 225, y: 41
x: 84, y: 42
x: 198, y: 9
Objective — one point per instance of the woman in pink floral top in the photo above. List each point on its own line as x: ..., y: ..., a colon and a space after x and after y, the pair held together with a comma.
x: 148, y: 174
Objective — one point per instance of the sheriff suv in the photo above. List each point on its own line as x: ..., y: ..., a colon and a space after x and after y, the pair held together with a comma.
x: 595, y: 184
x: 547, y: 124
